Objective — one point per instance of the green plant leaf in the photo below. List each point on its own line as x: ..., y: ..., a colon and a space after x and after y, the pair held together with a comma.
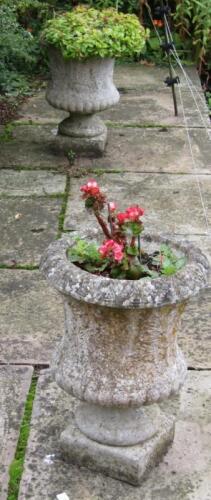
x: 132, y: 250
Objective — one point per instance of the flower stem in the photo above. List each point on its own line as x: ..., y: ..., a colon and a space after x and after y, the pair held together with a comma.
x: 110, y: 220
x: 139, y: 248
x: 103, y: 225
x: 133, y: 241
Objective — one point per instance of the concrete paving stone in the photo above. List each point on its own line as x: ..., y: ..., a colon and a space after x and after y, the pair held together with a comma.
x: 194, y: 335
x: 14, y: 386
x: 29, y: 182
x: 136, y: 105
x: 38, y: 110
x: 138, y: 75
x: 31, y: 318
x: 27, y: 226
x: 34, y: 147
x: 137, y: 82
x: 195, y: 330
x: 154, y: 108
x: 172, y: 202
x: 153, y: 150
x: 184, y: 473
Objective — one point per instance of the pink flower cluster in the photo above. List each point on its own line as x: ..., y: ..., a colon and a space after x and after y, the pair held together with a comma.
x: 131, y: 214
x: 91, y: 188
x: 112, y: 249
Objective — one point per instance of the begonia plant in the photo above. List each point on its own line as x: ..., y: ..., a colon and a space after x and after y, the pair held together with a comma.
x: 120, y: 256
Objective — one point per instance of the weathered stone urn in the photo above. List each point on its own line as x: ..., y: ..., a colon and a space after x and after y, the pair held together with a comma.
x: 120, y: 358
x: 82, y: 88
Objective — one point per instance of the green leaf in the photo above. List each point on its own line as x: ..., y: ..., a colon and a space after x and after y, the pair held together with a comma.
x: 118, y: 273
x: 89, y: 202
x: 132, y: 250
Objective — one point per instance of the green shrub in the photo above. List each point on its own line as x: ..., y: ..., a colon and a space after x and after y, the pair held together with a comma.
x: 18, y: 51
x: 87, y: 32
x: 193, y: 19
x: 31, y: 14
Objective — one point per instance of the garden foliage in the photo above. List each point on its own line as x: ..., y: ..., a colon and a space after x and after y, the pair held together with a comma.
x: 21, y: 22
x: 193, y: 20
x: 86, y: 32
x: 18, y: 52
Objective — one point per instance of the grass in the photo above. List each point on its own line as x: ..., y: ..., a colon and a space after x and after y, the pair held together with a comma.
x: 16, y: 467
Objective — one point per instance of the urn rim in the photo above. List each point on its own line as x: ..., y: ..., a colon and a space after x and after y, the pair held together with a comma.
x: 72, y: 281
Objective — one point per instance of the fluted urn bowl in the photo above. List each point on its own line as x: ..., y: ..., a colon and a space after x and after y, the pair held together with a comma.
x: 82, y: 88
x: 119, y: 356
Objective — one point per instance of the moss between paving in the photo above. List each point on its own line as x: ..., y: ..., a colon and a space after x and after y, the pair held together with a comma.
x: 16, y: 467
x: 14, y: 386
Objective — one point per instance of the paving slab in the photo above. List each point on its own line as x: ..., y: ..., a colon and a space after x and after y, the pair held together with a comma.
x: 140, y: 75
x: 38, y: 110
x: 27, y: 225
x: 28, y: 183
x: 194, y: 336
x: 152, y: 150
x: 33, y: 147
x: 31, y: 318
x: 184, y: 473
x: 195, y: 330
x: 172, y: 202
x: 136, y: 105
x: 14, y: 387
x: 155, y: 108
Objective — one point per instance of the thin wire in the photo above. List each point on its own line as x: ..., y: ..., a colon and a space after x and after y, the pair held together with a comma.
x: 190, y: 85
x: 193, y: 160
x: 188, y: 80
x: 204, y: 119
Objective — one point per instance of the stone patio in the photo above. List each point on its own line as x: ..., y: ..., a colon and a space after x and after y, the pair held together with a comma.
x: 147, y: 160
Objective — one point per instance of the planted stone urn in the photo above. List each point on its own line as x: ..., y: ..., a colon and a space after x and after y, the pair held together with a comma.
x: 82, y: 45
x: 119, y: 357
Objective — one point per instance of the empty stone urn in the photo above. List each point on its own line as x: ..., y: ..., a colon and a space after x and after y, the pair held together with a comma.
x: 119, y: 357
x: 82, y: 88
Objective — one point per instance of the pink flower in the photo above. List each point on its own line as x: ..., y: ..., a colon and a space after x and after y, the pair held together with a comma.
x: 91, y: 188
x: 121, y: 217
x: 131, y: 214
x: 112, y: 249
x: 112, y: 206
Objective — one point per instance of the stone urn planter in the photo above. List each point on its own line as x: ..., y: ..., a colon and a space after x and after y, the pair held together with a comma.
x: 82, y: 46
x: 119, y: 357
x: 82, y: 88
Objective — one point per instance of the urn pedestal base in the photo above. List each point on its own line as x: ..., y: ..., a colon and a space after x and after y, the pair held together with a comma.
x: 126, y: 463
x: 83, y: 134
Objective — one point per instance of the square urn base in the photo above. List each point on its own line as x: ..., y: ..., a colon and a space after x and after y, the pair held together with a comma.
x: 83, y: 146
x: 126, y: 463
